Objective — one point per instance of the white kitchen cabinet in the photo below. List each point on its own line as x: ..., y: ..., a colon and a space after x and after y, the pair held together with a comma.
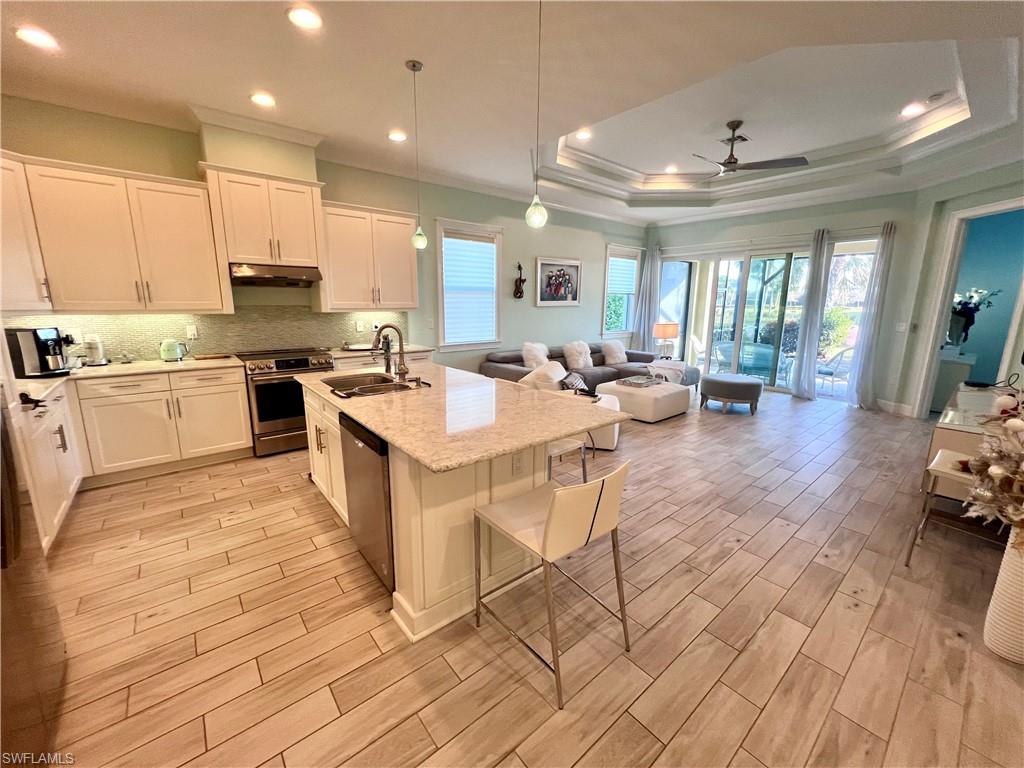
x: 293, y: 213
x: 85, y: 234
x: 212, y: 419
x: 349, y: 276
x: 318, y: 458
x: 174, y: 238
x: 335, y: 464
x: 369, y: 261
x: 128, y: 431
x: 24, y: 278
x: 267, y: 220
x: 394, y: 260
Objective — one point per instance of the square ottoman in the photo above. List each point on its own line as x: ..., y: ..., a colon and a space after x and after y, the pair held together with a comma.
x: 649, y: 404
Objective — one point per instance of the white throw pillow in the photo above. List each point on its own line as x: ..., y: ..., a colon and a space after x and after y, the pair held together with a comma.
x: 577, y: 355
x: 547, y: 376
x: 614, y: 353
x: 535, y: 354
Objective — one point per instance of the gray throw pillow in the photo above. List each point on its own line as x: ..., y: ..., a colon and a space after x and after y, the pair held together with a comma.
x: 573, y: 381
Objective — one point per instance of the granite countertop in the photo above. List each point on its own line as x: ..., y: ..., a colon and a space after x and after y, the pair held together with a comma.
x: 337, y: 352
x: 463, y: 417
x: 153, y: 366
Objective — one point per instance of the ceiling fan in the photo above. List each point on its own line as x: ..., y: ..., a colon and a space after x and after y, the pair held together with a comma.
x: 731, y: 164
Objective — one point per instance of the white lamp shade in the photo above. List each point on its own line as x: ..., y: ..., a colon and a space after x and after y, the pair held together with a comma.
x: 536, y: 214
x: 419, y: 239
x: 666, y: 330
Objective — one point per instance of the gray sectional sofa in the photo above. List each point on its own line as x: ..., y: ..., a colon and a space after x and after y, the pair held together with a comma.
x: 508, y: 364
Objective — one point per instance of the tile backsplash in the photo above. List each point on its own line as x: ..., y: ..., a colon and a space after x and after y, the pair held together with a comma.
x: 250, y: 328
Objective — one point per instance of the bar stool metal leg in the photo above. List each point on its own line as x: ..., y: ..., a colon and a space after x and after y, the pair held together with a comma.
x: 917, y: 534
x: 551, y: 462
x: 476, y: 568
x: 618, y: 584
x: 553, y: 632
x: 583, y: 461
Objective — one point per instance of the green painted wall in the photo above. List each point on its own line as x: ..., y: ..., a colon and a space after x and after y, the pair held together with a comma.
x: 46, y: 130
x: 241, y: 149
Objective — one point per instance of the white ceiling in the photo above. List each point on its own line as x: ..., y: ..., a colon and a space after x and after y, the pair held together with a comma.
x: 792, y: 102
x: 148, y: 60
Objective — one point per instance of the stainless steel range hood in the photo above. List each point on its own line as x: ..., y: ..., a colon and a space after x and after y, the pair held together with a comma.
x: 274, y: 274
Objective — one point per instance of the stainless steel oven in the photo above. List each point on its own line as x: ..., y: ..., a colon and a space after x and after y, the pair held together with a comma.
x: 275, y: 398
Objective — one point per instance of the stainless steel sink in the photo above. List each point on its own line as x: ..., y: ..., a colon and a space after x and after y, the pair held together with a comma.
x: 379, y: 389
x: 346, y: 383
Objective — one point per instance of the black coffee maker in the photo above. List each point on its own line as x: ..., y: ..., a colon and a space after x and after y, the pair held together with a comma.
x: 37, y: 352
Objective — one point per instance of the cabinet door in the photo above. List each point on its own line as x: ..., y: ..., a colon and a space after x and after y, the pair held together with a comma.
x: 315, y: 432
x: 245, y: 205
x: 24, y: 280
x: 47, y: 498
x: 174, y: 238
x: 395, y: 262
x: 348, y: 263
x: 85, y: 232
x: 293, y: 214
x: 212, y: 419
x: 130, y: 431
x: 335, y: 468
x: 65, y: 446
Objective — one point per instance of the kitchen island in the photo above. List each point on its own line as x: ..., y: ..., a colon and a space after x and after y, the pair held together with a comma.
x: 465, y: 441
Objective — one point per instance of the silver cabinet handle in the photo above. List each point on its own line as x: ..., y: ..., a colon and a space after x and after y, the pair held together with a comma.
x: 279, y: 257
x: 178, y: 401
x: 149, y: 292
x: 270, y: 242
x: 138, y: 292
x: 46, y: 289
x: 319, y: 439
x: 170, y: 416
x: 124, y: 386
x: 209, y: 378
x: 59, y: 431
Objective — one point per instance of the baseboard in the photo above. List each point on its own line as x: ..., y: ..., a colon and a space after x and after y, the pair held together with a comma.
x: 899, y: 409
x: 156, y: 470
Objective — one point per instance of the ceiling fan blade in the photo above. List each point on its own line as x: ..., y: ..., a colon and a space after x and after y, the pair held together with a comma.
x: 780, y: 162
x: 721, y: 168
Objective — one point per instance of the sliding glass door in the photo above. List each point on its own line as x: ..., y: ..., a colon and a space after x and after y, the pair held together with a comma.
x: 727, y: 284
x: 674, y: 301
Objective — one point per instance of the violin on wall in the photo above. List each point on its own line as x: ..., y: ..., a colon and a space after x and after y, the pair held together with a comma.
x: 517, y: 291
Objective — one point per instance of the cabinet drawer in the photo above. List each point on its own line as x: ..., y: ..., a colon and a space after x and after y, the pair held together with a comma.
x: 123, y: 385
x: 210, y: 378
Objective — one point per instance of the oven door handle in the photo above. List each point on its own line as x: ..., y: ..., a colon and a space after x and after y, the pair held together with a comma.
x: 259, y: 378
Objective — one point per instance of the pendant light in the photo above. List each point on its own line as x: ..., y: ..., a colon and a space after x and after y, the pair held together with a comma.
x: 537, y: 214
x: 419, y: 238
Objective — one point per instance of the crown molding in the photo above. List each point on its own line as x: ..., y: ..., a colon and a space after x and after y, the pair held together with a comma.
x: 210, y: 116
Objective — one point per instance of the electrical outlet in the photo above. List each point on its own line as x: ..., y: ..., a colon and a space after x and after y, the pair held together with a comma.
x: 901, y: 327
x: 76, y: 334
x: 430, y: 323
x: 376, y: 326
x: 517, y: 464
x: 360, y: 325
x: 191, y: 332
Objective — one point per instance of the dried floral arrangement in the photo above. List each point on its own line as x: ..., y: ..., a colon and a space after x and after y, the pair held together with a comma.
x: 998, y: 492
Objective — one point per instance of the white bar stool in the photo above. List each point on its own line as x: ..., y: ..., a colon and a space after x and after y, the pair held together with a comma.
x: 552, y: 521
x: 558, y: 448
x: 945, y: 466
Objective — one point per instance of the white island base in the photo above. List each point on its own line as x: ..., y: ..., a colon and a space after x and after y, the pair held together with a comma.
x: 432, y: 524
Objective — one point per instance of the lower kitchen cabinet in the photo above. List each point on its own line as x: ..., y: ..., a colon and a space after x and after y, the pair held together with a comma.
x: 335, y: 467
x: 325, y: 461
x: 212, y: 419
x: 129, y: 431
x: 318, y: 456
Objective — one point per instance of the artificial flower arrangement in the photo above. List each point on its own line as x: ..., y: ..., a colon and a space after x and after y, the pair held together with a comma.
x: 968, y: 305
x: 998, y: 493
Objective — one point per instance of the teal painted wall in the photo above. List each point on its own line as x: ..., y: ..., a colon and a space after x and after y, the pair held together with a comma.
x: 992, y: 258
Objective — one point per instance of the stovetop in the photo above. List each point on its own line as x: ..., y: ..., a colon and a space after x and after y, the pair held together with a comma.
x: 269, y: 354
x: 307, y: 358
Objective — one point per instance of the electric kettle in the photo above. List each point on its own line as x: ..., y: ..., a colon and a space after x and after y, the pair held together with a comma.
x: 172, y: 351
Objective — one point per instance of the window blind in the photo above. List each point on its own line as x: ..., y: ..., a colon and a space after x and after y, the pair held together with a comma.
x: 621, y: 275
x: 470, y: 288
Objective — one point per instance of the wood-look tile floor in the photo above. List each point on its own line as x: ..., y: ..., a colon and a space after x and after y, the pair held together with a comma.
x: 222, y: 616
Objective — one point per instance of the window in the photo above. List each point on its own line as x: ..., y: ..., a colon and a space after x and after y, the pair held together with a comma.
x: 470, y: 259
x: 621, y: 273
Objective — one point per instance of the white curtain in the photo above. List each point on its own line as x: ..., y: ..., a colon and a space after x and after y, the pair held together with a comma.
x: 647, y: 302
x: 806, y: 368
x: 861, y: 388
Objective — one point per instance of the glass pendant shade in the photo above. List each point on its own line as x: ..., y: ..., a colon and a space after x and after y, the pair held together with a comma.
x: 419, y: 239
x: 536, y: 214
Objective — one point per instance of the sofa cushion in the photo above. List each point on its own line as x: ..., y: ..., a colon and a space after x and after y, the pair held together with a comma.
x: 614, y: 352
x: 514, y: 356
x: 535, y: 354
x: 547, y: 376
x: 631, y: 369
x: 577, y: 353
x: 598, y: 374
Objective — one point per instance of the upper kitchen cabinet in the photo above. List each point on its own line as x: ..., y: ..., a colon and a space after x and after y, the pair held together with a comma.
x: 266, y: 220
x: 24, y: 279
x: 369, y: 260
x: 174, y: 237
x: 85, y: 233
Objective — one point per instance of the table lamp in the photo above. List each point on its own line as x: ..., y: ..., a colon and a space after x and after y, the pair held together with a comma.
x: 666, y: 333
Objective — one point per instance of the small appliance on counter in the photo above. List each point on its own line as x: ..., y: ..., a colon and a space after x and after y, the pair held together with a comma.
x: 94, y: 352
x: 38, y: 352
x: 173, y: 351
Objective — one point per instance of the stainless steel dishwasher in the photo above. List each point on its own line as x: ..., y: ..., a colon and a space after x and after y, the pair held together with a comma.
x: 368, y: 496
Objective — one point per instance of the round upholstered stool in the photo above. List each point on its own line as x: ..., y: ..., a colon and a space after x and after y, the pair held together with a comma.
x: 731, y: 388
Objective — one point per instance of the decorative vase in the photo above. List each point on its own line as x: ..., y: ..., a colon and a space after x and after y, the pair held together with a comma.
x: 1004, y: 622
x: 956, y: 330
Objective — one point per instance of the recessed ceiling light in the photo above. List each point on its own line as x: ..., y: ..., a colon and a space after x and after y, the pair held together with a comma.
x: 397, y: 135
x: 304, y: 17
x: 37, y: 37
x: 671, y: 168
x: 913, y: 109
x: 583, y: 134
x: 263, y: 99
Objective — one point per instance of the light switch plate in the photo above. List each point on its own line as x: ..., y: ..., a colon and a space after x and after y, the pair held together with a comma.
x: 360, y: 325
x: 901, y: 327
x: 191, y: 332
